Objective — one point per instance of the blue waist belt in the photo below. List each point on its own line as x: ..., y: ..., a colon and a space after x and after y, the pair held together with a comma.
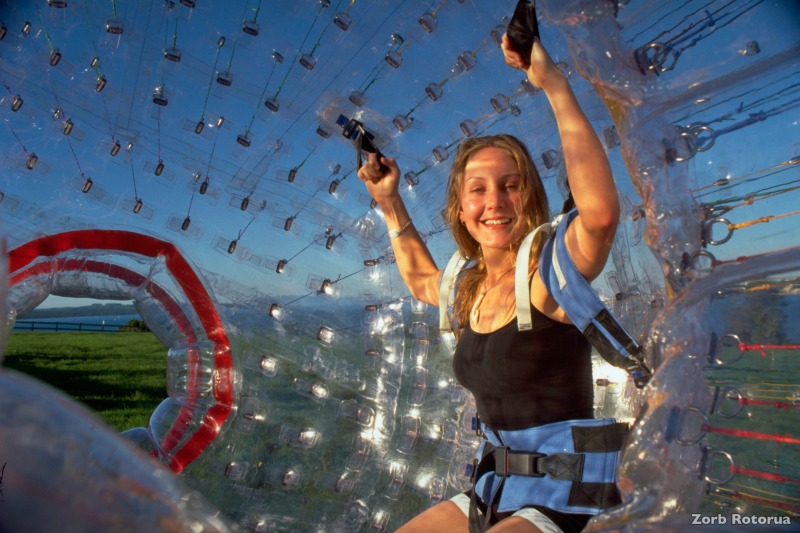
x: 568, y: 466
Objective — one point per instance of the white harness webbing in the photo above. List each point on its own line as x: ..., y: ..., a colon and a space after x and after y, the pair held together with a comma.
x: 447, y: 289
x: 521, y: 290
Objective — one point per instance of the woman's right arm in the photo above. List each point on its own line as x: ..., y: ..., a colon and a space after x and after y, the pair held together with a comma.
x: 414, y: 260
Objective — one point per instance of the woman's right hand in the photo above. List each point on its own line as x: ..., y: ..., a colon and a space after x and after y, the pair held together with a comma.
x: 413, y: 259
x: 382, y: 186
x: 539, y: 67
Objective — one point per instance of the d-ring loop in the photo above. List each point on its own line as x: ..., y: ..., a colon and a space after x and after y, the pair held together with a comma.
x: 694, y: 262
x: 661, y: 55
x: 704, y: 143
x: 730, y: 393
x: 691, y: 143
x: 710, y: 224
x: 725, y: 341
x: 649, y: 59
x: 694, y: 439
x: 708, y: 464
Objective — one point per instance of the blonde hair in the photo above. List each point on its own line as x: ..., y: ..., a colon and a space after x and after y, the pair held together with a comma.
x: 534, y: 211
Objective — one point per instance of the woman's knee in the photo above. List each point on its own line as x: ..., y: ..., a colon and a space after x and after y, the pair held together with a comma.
x: 445, y: 516
x: 515, y: 524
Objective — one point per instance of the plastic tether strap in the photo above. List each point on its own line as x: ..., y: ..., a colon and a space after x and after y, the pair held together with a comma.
x: 447, y: 288
x: 522, y: 291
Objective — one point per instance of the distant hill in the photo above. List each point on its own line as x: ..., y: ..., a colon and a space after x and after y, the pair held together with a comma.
x: 105, y: 309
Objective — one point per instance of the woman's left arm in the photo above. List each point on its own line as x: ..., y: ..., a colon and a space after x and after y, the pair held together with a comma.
x: 591, y: 235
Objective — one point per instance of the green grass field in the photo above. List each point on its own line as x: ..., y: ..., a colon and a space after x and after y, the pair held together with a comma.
x: 121, y: 376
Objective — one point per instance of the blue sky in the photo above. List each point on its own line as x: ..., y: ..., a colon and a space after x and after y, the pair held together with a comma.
x: 210, y: 43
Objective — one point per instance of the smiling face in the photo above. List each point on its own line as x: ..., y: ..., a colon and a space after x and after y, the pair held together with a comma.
x: 506, y: 185
x: 491, y: 200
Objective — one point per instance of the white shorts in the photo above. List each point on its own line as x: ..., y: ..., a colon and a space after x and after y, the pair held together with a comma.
x: 528, y: 513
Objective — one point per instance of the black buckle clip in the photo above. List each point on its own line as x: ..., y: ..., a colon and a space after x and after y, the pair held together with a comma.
x: 476, y: 426
x: 508, y: 463
x: 362, y: 139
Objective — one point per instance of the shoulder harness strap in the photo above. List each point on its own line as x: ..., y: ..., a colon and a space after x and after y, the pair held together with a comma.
x: 521, y: 287
x: 447, y: 288
x: 584, y: 308
x: 569, y: 289
x: 457, y: 262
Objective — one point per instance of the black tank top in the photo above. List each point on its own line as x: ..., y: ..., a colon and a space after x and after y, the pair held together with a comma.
x: 528, y: 378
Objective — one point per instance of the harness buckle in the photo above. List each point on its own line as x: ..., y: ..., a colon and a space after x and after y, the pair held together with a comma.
x: 508, y: 463
x: 473, y: 471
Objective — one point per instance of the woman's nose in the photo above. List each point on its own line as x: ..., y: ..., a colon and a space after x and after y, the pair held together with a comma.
x: 496, y: 198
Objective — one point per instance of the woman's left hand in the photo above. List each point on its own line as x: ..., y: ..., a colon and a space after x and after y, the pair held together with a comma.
x: 539, y: 67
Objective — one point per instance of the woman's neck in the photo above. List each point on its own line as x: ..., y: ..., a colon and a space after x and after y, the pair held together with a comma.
x: 497, y: 263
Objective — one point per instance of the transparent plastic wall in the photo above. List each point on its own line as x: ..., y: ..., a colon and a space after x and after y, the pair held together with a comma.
x: 188, y: 156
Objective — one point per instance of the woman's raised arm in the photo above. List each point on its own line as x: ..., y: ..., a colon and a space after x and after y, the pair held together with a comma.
x: 414, y: 260
x: 591, y: 235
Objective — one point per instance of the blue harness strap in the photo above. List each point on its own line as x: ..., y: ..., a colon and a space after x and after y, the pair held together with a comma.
x: 584, y: 308
x: 568, y: 466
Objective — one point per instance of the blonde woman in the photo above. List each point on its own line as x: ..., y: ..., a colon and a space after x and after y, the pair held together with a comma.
x: 522, y: 381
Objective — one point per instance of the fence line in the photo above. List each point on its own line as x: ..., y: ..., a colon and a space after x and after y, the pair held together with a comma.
x: 33, y: 325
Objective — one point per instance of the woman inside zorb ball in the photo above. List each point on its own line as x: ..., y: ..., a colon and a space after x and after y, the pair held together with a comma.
x: 532, y: 383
